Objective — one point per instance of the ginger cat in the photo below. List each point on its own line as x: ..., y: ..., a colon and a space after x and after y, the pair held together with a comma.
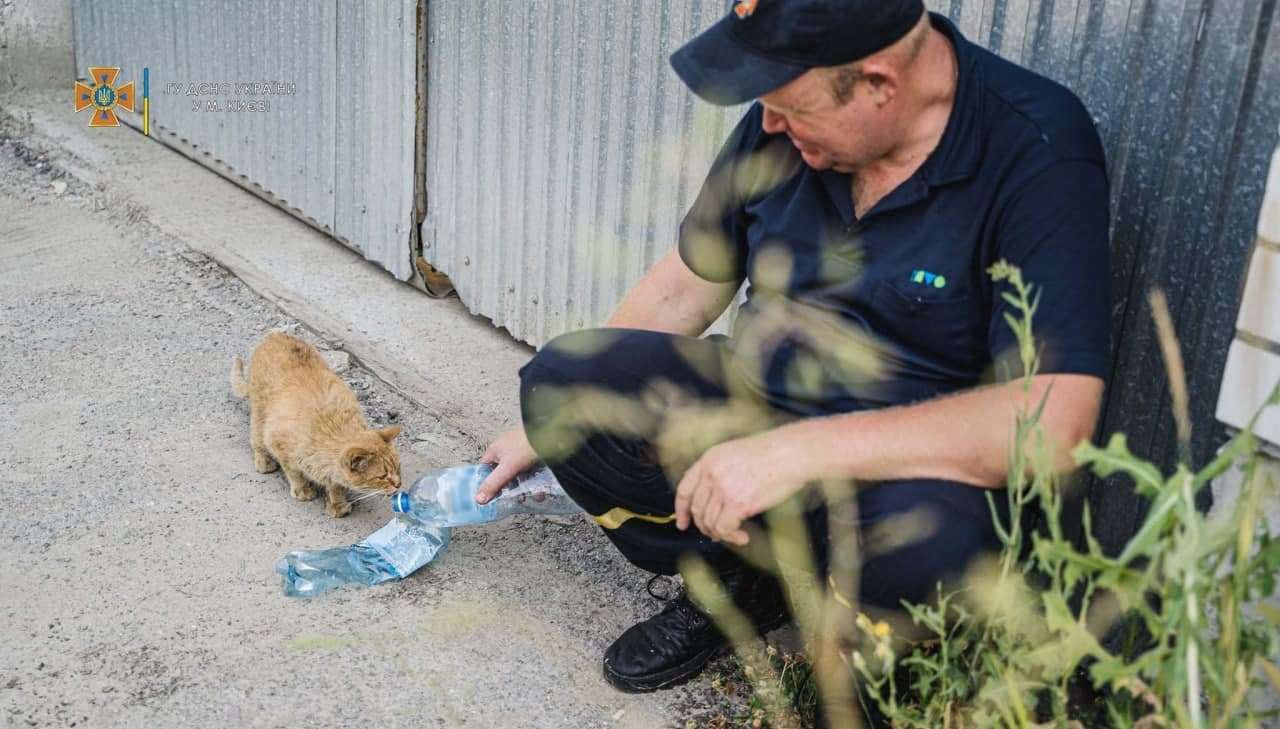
x: 305, y: 419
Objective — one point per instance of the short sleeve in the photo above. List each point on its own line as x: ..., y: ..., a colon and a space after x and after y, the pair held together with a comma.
x: 1055, y: 229
x: 713, y: 234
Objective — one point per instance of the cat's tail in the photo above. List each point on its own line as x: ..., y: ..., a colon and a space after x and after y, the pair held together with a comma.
x: 239, y: 383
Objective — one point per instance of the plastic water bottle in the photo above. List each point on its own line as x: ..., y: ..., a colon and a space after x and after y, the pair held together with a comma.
x: 447, y: 497
x: 395, y: 551
x: 420, y: 529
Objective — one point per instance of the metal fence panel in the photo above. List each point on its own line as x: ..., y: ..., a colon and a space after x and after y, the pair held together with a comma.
x: 1185, y: 94
x: 377, y: 82
x: 337, y: 153
x: 561, y: 152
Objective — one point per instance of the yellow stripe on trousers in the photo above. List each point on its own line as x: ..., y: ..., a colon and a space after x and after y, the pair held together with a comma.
x: 617, y: 516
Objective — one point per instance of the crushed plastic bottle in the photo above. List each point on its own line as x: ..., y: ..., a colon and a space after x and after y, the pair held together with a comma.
x: 447, y: 497
x: 419, y: 532
x: 394, y: 552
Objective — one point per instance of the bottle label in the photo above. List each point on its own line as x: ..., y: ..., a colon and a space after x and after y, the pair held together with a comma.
x: 406, y: 545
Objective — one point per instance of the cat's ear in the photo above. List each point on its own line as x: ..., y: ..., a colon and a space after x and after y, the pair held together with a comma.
x: 389, y: 433
x: 356, y: 459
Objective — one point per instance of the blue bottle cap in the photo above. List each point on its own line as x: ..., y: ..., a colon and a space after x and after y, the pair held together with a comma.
x: 400, y: 503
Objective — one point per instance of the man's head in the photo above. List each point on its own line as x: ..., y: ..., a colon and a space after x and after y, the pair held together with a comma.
x: 844, y: 116
x: 833, y: 75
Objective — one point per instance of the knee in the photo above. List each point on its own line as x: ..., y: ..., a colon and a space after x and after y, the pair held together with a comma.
x: 583, y: 361
x: 552, y: 384
x: 569, y: 359
x: 565, y: 363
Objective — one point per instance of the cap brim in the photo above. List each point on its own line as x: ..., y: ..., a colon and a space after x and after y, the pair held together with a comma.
x: 725, y: 72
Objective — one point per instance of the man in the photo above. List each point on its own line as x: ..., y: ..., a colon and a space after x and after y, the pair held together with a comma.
x: 886, y: 164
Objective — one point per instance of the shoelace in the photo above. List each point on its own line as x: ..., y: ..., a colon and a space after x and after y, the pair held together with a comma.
x: 679, y: 602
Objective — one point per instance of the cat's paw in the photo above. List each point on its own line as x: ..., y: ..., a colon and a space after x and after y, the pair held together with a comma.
x: 337, y: 511
x: 264, y: 463
x: 306, y: 493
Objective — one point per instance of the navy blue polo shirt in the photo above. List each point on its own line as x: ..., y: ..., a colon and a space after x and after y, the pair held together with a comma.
x: 845, y: 313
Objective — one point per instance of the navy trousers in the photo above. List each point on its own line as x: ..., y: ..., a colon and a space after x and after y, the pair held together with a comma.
x: 596, y: 404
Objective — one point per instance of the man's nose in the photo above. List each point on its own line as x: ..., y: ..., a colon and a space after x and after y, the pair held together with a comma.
x: 773, y: 122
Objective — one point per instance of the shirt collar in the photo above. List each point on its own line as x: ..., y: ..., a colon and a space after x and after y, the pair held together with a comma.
x: 959, y: 152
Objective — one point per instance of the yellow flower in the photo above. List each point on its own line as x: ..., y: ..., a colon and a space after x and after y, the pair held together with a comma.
x: 880, y: 629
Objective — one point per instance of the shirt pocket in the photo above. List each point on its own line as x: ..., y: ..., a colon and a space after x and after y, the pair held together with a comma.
x: 943, y: 333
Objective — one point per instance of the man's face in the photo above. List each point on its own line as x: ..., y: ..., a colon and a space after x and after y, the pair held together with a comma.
x: 828, y: 133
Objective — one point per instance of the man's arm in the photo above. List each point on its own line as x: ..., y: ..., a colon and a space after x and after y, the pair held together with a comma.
x: 670, y: 298
x: 963, y: 437
x: 690, y: 287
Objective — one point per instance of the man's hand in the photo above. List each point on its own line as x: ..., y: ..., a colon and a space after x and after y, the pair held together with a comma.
x: 510, y: 455
x: 735, y: 481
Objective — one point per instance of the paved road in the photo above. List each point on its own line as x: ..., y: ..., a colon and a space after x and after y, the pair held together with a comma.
x: 138, y: 590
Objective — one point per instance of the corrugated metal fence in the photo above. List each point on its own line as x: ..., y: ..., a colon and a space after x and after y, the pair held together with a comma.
x: 1186, y: 94
x: 563, y: 152
x: 337, y: 152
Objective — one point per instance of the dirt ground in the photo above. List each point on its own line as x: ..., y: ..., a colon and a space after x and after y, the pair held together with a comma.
x: 138, y: 588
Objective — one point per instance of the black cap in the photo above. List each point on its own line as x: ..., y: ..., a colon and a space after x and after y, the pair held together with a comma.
x: 763, y: 45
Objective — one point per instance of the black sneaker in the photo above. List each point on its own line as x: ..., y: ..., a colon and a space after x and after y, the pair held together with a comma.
x: 674, y: 645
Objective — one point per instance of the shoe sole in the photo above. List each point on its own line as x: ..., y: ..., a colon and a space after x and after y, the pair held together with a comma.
x: 680, y: 674
x: 667, y: 679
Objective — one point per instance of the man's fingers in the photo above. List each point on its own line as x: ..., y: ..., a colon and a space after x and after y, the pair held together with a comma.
x: 698, y: 505
x: 684, y: 491
x: 738, y: 538
x: 707, y: 515
x: 726, y: 522
x: 494, y: 483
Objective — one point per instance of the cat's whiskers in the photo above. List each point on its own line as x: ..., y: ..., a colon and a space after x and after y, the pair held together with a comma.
x: 369, y: 495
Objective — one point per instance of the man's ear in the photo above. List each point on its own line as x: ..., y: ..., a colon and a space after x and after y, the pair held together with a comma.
x: 389, y: 433
x: 882, y: 81
x: 356, y: 459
